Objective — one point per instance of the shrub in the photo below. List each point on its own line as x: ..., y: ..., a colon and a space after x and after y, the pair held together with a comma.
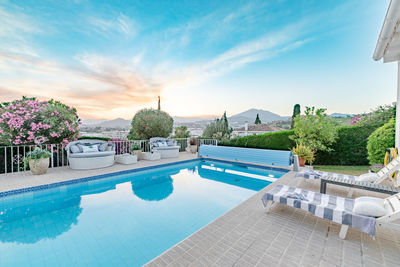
x: 315, y: 130
x: 379, y: 140
x: 148, y: 123
x: 29, y: 121
x: 350, y: 147
x: 94, y: 138
x: 181, y: 132
x: 276, y: 140
x: 303, y: 152
x: 378, y: 117
x: 35, y: 155
x: 218, y: 129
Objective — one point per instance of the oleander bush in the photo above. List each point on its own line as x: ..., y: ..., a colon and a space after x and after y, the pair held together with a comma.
x: 30, y: 121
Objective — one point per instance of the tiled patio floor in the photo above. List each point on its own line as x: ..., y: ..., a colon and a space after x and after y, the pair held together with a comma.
x: 247, y: 236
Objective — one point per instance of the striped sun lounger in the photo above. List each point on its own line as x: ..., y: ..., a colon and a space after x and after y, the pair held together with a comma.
x: 382, y: 175
x: 314, y: 175
x: 348, y: 181
x: 333, y: 208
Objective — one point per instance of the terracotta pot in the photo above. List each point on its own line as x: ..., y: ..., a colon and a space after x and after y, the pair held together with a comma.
x: 138, y: 153
x: 193, y: 148
x: 302, y: 162
x: 40, y: 167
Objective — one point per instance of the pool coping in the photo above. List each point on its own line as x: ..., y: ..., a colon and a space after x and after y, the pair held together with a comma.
x: 134, y: 170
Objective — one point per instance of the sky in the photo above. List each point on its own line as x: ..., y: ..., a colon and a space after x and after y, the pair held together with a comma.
x: 202, y: 57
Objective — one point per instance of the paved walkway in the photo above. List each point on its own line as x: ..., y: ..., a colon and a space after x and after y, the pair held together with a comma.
x: 247, y: 236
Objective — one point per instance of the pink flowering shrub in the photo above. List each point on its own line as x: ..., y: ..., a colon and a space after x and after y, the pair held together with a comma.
x: 29, y: 121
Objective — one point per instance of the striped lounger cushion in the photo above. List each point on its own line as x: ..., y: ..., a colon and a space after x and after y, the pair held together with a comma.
x: 336, y: 209
x: 312, y: 175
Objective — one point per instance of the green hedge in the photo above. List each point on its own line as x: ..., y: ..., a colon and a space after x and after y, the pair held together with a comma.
x: 94, y: 137
x: 381, y: 139
x: 276, y: 140
x: 350, y: 147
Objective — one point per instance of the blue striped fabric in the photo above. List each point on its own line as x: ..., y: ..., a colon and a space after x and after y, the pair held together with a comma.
x: 333, y: 208
x: 251, y: 155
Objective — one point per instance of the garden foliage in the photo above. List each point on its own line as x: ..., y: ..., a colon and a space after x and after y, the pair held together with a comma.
x: 181, y: 132
x: 276, y: 140
x: 148, y: 123
x: 30, y: 121
x: 315, y: 130
x: 350, y: 147
x: 218, y: 129
x: 379, y: 140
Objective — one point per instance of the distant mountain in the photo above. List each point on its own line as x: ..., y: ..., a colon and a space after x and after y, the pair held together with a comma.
x: 235, y: 121
x: 251, y: 114
x: 116, y: 123
x: 90, y: 122
x: 341, y: 115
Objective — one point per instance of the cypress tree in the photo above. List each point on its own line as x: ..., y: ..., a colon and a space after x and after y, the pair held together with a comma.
x: 258, y: 121
x: 296, y: 111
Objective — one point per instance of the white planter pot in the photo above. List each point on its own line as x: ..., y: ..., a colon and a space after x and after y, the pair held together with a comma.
x: 193, y: 148
x: 151, y: 155
x: 40, y: 167
x: 138, y: 153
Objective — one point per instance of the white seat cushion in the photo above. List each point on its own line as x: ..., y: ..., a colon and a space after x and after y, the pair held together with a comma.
x: 371, y: 206
x: 367, y: 177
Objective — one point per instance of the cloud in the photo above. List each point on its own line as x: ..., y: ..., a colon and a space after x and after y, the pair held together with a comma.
x: 96, y: 85
x: 258, y: 49
x: 121, y: 24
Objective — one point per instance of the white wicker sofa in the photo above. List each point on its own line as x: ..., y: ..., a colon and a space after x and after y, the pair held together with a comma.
x: 168, y: 148
x: 90, y: 154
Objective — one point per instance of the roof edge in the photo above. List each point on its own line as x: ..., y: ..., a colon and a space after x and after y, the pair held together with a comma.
x: 386, y: 34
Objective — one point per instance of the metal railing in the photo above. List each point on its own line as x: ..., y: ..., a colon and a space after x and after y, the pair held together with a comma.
x: 12, y: 157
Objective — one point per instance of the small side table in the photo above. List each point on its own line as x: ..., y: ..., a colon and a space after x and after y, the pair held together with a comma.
x: 126, y: 159
x: 151, y: 155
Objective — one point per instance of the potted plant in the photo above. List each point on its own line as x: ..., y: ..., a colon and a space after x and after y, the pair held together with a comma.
x: 136, y: 150
x: 193, y: 145
x: 38, y: 160
x: 304, y: 153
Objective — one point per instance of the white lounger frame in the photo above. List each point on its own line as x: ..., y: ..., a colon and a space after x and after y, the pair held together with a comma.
x: 384, y: 221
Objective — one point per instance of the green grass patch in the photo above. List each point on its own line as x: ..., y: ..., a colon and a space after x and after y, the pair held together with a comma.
x: 351, y: 170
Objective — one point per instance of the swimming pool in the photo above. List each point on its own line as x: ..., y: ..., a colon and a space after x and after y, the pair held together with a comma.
x: 125, y: 219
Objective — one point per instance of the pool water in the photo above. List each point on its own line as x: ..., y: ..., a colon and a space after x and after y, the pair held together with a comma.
x: 122, y: 220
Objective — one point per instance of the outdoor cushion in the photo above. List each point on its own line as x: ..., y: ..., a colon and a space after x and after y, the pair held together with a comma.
x: 91, y: 148
x: 103, y: 146
x: 162, y: 144
x: 167, y: 147
x: 370, y: 206
x: 92, y: 154
x: 171, y: 142
x: 75, y: 149
x: 367, y: 177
